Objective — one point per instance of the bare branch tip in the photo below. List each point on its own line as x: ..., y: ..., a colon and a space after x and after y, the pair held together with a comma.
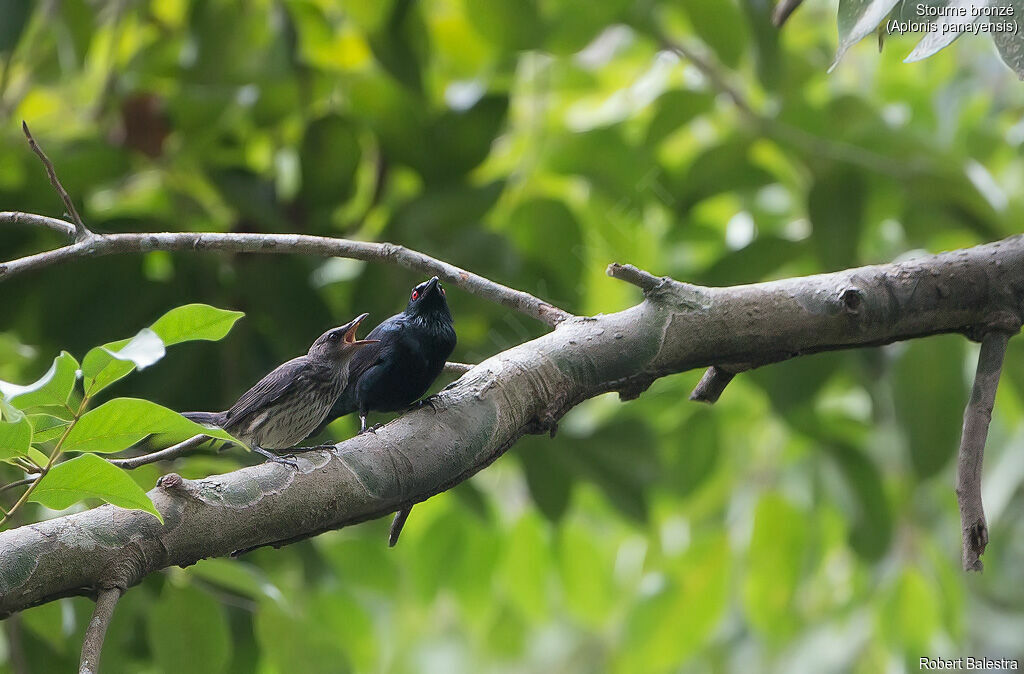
x: 710, y: 387
x: 81, y: 231
x: 644, y: 280
x: 971, y: 455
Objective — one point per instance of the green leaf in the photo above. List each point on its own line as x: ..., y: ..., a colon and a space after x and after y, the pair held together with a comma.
x: 15, y: 432
x: 525, y: 568
x: 236, y: 576
x: 289, y: 644
x: 586, y: 570
x: 665, y: 627
x: 869, y: 512
x: 188, y: 632
x: 695, y: 452
x: 1011, y: 43
x: 330, y: 159
x: 121, y: 422
x: 930, y: 391
x: 106, y: 364
x: 776, y: 551
x: 549, y: 482
x: 857, y: 19
x: 53, y: 388
x: 674, y: 110
x: 620, y: 458
x: 46, y: 427
x: 721, y: 25
x: 13, y: 17
x: 89, y: 476
x: 835, y: 205
x: 946, y: 30
x: 910, y: 615
x: 511, y: 25
x: 193, y: 322
x: 551, y: 240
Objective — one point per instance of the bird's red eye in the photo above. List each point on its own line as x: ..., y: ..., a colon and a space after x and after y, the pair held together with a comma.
x: 415, y: 294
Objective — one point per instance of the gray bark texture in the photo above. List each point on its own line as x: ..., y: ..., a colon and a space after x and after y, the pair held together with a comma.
x: 525, y: 389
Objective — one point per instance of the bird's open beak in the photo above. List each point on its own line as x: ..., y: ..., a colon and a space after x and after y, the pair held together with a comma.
x: 350, y: 332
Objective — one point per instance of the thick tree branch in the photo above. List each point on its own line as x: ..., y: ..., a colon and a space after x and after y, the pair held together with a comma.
x: 81, y: 231
x: 299, y: 244
x: 977, y: 416
x: 525, y: 389
x: 92, y: 645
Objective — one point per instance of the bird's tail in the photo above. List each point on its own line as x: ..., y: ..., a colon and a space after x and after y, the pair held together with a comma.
x: 207, y: 418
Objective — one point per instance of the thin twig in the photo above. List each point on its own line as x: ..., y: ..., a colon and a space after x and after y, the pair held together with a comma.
x: 783, y: 10
x: 15, y: 218
x: 301, y: 244
x: 172, y: 452
x: 81, y: 231
x: 92, y: 645
x: 16, y: 484
x: 977, y: 416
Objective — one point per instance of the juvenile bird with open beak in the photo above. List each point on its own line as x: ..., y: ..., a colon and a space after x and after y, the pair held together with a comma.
x: 288, y: 404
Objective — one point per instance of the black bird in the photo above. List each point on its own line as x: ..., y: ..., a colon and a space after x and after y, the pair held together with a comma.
x: 410, y: 353
x: 287, y: 404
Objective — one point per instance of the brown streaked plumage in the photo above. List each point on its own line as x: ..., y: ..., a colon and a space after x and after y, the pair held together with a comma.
x: 290, y: 402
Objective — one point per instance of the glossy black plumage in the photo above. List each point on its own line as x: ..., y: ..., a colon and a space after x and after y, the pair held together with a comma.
x: 410, y: 353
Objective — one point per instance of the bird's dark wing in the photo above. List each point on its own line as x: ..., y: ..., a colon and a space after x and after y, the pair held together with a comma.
x: 276, y: 384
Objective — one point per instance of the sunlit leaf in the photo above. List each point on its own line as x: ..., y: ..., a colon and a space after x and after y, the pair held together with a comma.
x: 15, y: 433
x: 667, y: 625
x: 104, y: 365
x: 857, y: 19
x: 947, y: 28
x: 1010, y: 43
x: 53, y: 388
x: 89, y: 476
x: 121, y: 422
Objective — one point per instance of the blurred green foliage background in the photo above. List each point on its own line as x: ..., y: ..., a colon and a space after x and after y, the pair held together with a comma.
x: 805, y: 523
